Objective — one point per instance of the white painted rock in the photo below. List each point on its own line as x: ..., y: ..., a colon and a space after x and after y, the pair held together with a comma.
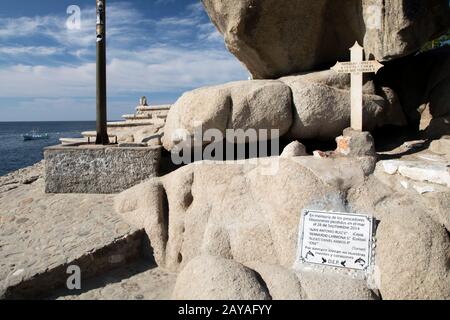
x: 425, y: 172
x: 390, y: 166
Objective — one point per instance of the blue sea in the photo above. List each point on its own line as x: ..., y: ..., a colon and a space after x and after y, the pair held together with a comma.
x: 15, y: 153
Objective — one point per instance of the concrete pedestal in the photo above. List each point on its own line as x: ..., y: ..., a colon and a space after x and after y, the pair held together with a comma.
x: 98, y: 169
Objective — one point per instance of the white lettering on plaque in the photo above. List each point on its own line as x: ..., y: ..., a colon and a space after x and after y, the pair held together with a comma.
x: 336, y: 239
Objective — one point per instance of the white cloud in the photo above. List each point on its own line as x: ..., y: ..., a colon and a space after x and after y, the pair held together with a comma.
x: 208, y: 32
x: 164, y: 57
x: 48, y: 109
x: 45, y: 81
x: 122, y: 22
x: 175, y: 21
x: 23, y: 26
x: 155, y: 69
x: 125, y: 24
x: 32, y: 51
x: 196, y: 8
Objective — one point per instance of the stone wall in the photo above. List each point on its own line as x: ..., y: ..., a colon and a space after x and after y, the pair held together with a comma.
x: 98, y: 169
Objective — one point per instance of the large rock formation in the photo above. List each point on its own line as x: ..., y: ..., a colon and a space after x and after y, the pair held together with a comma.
x: 274, y: 38
x: 230, y: 229
x: 321, y: 103
x: 236, y: 211
x: 214, y: 278
x: 237, y: 105
x: 313, y: 105
x: 411, y: 254
x: 422, y: 83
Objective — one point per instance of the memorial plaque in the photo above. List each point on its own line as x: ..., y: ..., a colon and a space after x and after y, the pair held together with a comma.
x: 336, y: 239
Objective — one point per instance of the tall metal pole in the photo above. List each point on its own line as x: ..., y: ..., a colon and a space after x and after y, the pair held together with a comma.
x: 102, y: 133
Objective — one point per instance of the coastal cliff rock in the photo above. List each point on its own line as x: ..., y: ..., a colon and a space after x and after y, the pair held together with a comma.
x: 422, y: 83
x: 321, y: 105
x: 236, y: 211
x: 338, y: 287
x: 236, y: 105
x: 312, y: 105
x: 235, y: 218
x: 274, y: 38
x: 412, y: 254
x: 215, y: 278
x: 294, y: 149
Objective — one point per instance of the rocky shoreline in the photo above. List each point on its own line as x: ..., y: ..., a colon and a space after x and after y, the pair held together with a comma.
x: 41, y: 233
x: 229, y: 229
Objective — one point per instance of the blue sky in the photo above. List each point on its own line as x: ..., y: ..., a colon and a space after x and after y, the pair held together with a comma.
x: 157, y: 48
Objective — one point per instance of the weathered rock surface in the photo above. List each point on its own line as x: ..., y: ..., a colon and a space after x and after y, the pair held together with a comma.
x: 214, y: 278
x: 420, y: 171
x: 334, y: 286
x: 253, y: 219
x: 130, y: 132
x: 294, y: 149
x: 150, y: 136
x: 438, y: 127
x: 98, y: 169
x: 412, y: 243
x: 314, y: 105
x: 322, y: 105
x: 235, y: 218
x: 356, y: 144
x: 273, y: 38
x: 282, y: 283
x: 413, y: 255
x: 422, y: 178
x: 237, y: 105
x: 422, y: 83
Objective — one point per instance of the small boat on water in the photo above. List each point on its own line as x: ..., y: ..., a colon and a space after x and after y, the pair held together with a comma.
x: 35, y: 136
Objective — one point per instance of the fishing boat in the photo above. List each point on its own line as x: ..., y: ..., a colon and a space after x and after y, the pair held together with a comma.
x: 35, y: 136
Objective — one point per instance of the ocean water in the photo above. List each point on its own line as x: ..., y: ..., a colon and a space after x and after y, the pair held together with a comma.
x: 15, y: 153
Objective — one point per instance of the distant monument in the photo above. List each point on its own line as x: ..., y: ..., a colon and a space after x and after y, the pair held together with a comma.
x: 356, y: 67
x: 143, y: 102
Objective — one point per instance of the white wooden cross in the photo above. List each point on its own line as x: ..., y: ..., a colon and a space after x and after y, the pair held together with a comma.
x: 356, y: 67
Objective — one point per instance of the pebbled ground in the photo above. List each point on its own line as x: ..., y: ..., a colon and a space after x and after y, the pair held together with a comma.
x: 40, y: 234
